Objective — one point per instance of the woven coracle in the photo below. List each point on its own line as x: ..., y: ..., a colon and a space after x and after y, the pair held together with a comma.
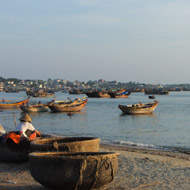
x: 12, y: 152
x: 73, y: 171
x: 66, y: 144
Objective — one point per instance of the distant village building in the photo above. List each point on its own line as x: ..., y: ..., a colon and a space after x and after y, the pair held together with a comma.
x: 113, y: 82
x: 10, y: 82
x: 65, y: 81
x: 1, y: 86
x: 101, y: 81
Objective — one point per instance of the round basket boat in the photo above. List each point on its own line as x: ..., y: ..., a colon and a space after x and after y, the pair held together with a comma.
x: 12, y: 152
x: 66, y: 144
x: 73, y: 171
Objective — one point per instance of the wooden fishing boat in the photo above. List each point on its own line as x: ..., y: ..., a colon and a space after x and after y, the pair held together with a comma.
x: 39, y: 93
x: 157, y: 91
x: 98, y: 94
x: 44, y: 95
x: 68, y: 105
x: 7, y: 105
x: 73, y: 171
x: 75, y: 91
x: 103, y: 94
x: 120, y: 94
x: 60, y: 102
x: 139, y: 108
x: 93, y: 94
x: 34, y: 108
x: 74, y: 106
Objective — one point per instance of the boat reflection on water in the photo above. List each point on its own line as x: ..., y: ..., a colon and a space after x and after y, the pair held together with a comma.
x: 70, y: 113
x: 139, y: 115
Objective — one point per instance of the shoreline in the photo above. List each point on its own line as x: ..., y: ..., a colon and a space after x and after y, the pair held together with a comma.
x: 138, y: 169
x: 170, y: 153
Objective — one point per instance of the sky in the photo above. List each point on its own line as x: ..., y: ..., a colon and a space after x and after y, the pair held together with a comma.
x: 146, y: 41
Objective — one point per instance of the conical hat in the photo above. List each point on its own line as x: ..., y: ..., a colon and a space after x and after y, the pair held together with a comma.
x: 25, y: 117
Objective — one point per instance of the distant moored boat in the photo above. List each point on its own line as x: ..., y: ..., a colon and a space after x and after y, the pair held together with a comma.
x: 157, y: 91
x: 139, y: 108
x: 9, y: 104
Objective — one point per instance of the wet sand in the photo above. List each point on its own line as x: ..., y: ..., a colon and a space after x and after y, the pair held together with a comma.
x: 139, y: 169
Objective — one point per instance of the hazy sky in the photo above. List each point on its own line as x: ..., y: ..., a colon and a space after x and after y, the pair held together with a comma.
x: 125, y: 40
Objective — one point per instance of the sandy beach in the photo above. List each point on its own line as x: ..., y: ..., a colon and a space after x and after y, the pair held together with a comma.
x: 139, y: 169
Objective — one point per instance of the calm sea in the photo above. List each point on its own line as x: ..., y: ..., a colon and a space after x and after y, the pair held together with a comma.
x: 168, y: 127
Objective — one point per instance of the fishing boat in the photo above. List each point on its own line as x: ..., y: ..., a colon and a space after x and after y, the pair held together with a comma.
x: 97, y: 94
x: 34, y: 108
x: 12, y: 104
x: 120, y: 94
x: 157, y: 91
x: 104, y: 94
x: 76, y: 91
x: 73, y: 106
x: 39, y: 93
x: 139, y: 108
x: 44, y: 94
x: 151, y: 97
x: 92, y: 94
x: 69, y: 101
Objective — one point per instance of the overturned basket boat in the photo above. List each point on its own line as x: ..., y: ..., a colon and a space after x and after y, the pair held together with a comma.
x: 73, y: 171
x: 67, y: 144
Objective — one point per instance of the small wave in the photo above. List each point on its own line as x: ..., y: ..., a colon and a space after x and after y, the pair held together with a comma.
x: 128, y: 143
x: 147, y: 146
x: 147, y: 131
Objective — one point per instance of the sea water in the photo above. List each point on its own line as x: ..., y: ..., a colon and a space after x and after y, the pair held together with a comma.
x: 167, y: 127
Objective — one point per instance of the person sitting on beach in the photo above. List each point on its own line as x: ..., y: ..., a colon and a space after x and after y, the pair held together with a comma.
x: 26, y: 129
